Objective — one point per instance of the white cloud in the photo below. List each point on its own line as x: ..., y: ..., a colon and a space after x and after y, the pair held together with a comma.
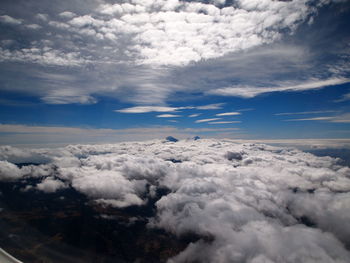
x: 67, y: 14
x: 106, y: 44
x: 16, y: 155
x: 250, y: 91
x: 158, y: 40
x: 109, y: 187
x: 344, y: 118
x: 146, y: 109
x: 228, y: 114
x: 10, y: 20
x: 40, y: 56
x: 304, y: 112
x: 168, y: 116
x: 50, y: 185
x: 62, y: 97
x: 207, y: 120
x: 313, y: 119
x: 194, y: 115
x: 245, y: 202
x: 33, y: 26
x: 134, y: 51
x: 215, y: 106
x: 223, y: 122
x: 153, y: 35
x: 246, y: 109
x: 42, y: 17
x: 9, y: 171
x: 304, y: 143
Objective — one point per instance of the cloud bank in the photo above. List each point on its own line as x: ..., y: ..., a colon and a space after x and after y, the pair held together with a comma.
x: 143, y: 52
x: 246, y: 202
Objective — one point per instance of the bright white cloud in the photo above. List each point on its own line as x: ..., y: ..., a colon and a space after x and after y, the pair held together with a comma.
x: 157, y: 39
x: 50, y: 185
x: 245, y: 202
x: 194, y: 115
x: 228, y: 113
x: 109, y: 187
x: 168, y: 116
x: 146, y: 109
x: 207, y: 120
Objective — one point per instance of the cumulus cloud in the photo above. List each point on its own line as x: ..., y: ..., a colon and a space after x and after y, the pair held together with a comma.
x: 33, y: 26
x: 10, y: 20
x: 245, y: 202
x: 42, y: 17
x: 67, y: 14
x: 158, y: 40
x: 50, y: 185
x: 152, y: 28
x: 44, y: 57
x: 16, y: 155
x: 9, y: 171
x: 109, y: 187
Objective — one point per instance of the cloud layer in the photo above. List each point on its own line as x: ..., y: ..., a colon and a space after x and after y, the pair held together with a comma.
x: 208, y: 30
x: 145, y: 51
x: 246, y: 202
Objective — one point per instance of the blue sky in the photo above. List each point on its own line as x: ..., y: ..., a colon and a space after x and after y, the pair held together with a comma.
x: 107, y: 71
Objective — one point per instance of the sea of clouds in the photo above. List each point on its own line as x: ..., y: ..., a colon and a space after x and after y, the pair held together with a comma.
x: 247, y: 202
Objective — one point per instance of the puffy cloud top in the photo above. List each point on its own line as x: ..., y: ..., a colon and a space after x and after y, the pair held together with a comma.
x: 247, y: 202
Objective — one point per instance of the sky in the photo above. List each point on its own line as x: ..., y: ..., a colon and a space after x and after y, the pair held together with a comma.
x: 104, y: 71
